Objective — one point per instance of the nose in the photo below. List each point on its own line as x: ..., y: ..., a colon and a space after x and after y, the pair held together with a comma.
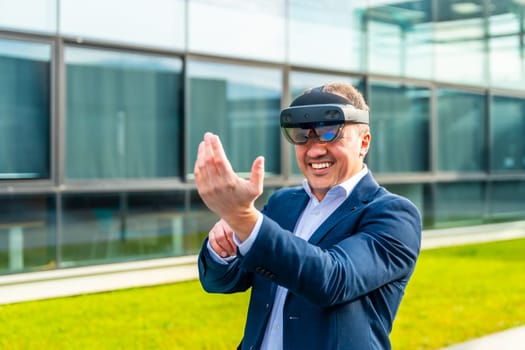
x: 315, y: 148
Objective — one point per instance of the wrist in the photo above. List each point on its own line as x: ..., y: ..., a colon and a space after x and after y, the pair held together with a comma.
x: 243, y: 223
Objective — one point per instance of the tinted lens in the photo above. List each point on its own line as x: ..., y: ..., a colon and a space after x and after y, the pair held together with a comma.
x: 299, y: 136
x: 296, y: 135
x: 328, y: 133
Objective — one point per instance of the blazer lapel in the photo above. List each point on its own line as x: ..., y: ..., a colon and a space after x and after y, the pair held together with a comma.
x: 362, y: 194
x: 293, y: 209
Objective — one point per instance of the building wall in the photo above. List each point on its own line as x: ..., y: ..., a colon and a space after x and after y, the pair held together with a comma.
x: 103, y: 104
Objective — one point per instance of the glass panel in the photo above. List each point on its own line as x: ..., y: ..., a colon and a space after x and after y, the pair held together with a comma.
x: 240, y: 104
x: 507, y: 130
x: 27, y: 233
x: 506, y: 200
x: 334, y: 27
x: 123, y: 115
x: 158, y: 23
x: 507, y: 49
x: 24, y: 110
x: 460, y: 42
x: 400, y: 38
x: 300, y: 81
x: 458, y: 204
x: 30, y: 15
x: 399, y: 122
x: 124, y: 226
x: 239, y: 28
x: 461, y: 131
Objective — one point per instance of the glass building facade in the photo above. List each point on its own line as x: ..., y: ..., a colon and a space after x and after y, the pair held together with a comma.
x: 103, y: 104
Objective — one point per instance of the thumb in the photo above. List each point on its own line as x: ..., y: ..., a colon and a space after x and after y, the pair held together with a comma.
x: 257, y: 174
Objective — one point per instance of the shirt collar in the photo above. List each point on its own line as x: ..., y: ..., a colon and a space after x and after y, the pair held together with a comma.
x: 344, y: 188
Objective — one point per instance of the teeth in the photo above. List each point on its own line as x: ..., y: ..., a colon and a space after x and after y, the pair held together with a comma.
x: 320, y: 165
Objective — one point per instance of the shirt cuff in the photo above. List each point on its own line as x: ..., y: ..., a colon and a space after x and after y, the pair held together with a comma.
x: 244, y: 247
x: 217, y: 258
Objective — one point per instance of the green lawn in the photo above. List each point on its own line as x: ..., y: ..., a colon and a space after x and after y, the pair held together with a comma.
x: 456, y: 294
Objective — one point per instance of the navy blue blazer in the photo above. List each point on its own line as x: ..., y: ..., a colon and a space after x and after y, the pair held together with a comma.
x: 344, y: 284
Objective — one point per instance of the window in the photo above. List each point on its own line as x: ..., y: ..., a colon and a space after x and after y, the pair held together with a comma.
x: 238, y: 28
x: 152, y: 23
x: 506, y: 24
x: 326, y: 34
x: 27, y: 233
x: 107, y: 227
x: 24, y: 110
x: 461, y: 130
x: 506, y: 200
x: 460, y: 203
x: 29, y: 15
x: 399, y: 122
x: 400, y: 38
x: 240, y: 104
x: 123, y: 115
x: 460, y: 42
x: 507, y: 127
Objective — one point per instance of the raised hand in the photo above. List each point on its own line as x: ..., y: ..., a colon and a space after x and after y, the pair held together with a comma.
x: 225, y: 193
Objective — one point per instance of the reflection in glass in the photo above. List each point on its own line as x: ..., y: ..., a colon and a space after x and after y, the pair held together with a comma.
x: 327, y: 33
x: 400, y: 38
x: 123, y: 115
x: 241, y: 105
x: 458, y: 204
x: 29, y: 15
x: 300, y: 81
x: 27, y: 233
x: 460, y: 42
x: 238, y: 28
x: 123, y: 226
x: 399, y: 122
x: 506, y: 200
x: 507, y: 130
x: 507, y: 49
x: 157, y: 23
x: 461, y: 131
x: 25, y: 110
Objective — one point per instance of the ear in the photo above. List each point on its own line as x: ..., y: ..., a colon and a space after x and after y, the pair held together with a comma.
x: 366, y: 137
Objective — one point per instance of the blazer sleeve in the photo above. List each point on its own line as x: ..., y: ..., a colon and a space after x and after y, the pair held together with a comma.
x: 221, y: 278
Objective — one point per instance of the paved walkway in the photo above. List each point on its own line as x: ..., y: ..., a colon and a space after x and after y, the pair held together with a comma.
x: 511, y: 339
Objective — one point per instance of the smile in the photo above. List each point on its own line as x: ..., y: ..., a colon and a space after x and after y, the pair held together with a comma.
x: 321, y: 165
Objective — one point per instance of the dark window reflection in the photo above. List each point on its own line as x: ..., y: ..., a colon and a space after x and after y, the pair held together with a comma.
x: 399, y: 121
x: 24, y: 110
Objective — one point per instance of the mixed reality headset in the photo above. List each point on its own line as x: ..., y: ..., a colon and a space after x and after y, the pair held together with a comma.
x: 319, y: 115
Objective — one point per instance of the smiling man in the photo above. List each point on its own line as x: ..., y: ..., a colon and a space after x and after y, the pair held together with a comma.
x: 327, y: 262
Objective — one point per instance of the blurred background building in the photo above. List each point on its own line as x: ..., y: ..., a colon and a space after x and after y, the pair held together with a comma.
x: 103, y: 104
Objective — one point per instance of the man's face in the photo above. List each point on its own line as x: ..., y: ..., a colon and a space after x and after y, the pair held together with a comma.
x: 326, y: 165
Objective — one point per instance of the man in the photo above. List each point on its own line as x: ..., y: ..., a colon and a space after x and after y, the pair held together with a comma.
x: 327, y: 262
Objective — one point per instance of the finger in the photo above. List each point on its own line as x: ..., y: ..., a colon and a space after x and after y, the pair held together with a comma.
x: 232, y: 247
x: 257, y: 173
x: 219, y: 155
x: 199, y: 161
x: 216, y: 246
x: 221, y: 239
x: 225, y: 241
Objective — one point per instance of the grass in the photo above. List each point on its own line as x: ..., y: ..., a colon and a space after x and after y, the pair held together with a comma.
x: 455, y: 294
